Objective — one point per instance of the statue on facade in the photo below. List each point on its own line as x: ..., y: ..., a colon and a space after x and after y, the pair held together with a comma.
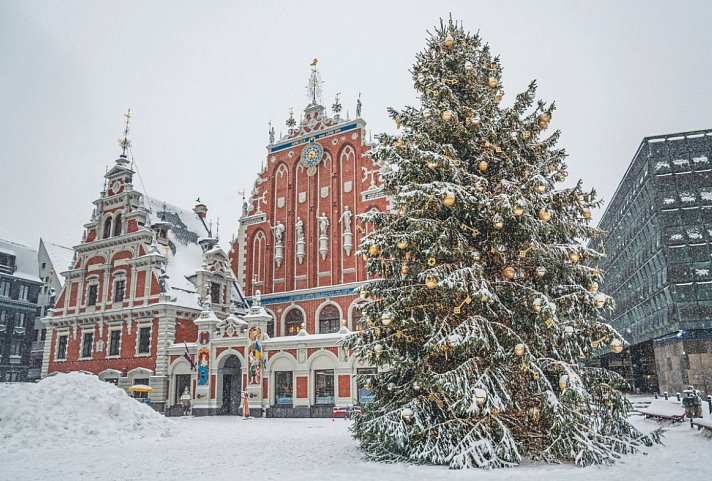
x: 299, y: 231
x: 323, y: 224
x: 271, y: 133
x: 323, y: 238
x: 347, y: 234
x: 358, y: 106
x: 278, y: 243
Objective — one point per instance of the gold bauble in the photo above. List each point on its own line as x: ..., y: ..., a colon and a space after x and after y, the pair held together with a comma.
x: 476, y: 256
x: 449, y: 41
x: 536, y: 304
x: 616, y: 346
x: 519, y: 350
x: 482, y: 166
x: 586, y: 214
x: 492, y: 82
x: 544, y: 215
x: 405, y: 270
x: 530, y: 95
x: 378, y: 350
x: 468, y: 66
x: 386, y: 318
x: 426, y: 113
x: 517, y: 210
x: 513, y: 136
x: 476, y: 120
x: 498, y: 224
x: 432, y: 164
x: 399, y: 143
x: 430, y: 282
x: 508, y: 272
x: 593, y: 287
x: 407, y: 414
x: 449, y: 199
x: 541, y: 188
x: 534, y: 413
x: 599, y: 300
x: 402, y: 244
x: 373, y: 249
x: 446, y: 115
x: 480, y: 396
x: 545, y: 117
x: 541, y: 271
x: 543, y: 125
x: 574, y: 257
x: 563, y: 381
x: 398, y: 121
x: 498, y: 98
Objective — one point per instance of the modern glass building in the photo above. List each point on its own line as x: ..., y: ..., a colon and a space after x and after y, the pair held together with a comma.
x: 658, y: 264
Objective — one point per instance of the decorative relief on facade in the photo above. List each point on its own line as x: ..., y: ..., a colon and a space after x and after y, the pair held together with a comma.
x: 323, y: 235
x: 348, y: 186
x: 324, y: 192
x: 280, y: 202
x: 370, y: 174
x: 299, y: 230
x: 302, y: 197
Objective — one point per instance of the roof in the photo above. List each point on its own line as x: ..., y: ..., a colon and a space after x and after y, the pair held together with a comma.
x: 185, y: 256
x: 60, y: 256
x: 26, y: 266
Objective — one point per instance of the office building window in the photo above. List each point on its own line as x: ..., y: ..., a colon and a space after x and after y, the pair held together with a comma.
x: 283, y: 388
x: 62, y: 347
x: 87, y: 344
x: 144, y: 340
x: 4, y: 289
x: 119, y: 287
x: 91, y: 296
x: 114, y: 343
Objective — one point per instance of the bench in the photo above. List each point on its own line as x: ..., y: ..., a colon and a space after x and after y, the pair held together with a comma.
x: 701, y: 423
x: 660, y: 416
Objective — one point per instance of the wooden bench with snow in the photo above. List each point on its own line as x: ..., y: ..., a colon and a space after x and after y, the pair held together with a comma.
x: 701, y: 423
x: 664, y: 411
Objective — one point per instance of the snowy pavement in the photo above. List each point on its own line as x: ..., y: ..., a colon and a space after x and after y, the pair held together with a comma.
x: 230, y: 448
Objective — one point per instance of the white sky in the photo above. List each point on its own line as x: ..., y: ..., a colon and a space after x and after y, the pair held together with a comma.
x: 202, y: 80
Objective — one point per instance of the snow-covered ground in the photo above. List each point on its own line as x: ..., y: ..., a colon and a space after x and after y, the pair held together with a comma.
x: 80, y: 428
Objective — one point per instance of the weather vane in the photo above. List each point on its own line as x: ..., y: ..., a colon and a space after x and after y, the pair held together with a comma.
x: 314, y: 85
x: 125, y: 143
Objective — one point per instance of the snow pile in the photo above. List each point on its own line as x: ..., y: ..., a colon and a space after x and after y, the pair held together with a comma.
x: 74, y: 407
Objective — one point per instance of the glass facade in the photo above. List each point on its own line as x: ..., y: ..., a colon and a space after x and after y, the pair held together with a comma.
x: 658, y: 229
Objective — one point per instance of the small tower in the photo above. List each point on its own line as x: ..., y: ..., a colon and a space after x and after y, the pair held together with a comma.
x: 256, y: 319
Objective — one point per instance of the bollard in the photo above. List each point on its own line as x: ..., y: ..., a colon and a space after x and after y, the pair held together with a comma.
x: 678, y: 395
x: 666, y: 395
x: 709, y: 404
x: 656, y: 395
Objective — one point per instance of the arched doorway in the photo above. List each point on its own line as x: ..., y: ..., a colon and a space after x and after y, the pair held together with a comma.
x: 230, y: 384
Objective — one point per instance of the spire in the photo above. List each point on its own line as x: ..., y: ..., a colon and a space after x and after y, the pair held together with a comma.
x: 336, y: 108
x: 314, y: 85
x: 125, y: 143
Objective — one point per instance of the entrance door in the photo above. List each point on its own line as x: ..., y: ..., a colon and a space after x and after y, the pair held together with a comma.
x: 231, y: 385
x: 182, y: 382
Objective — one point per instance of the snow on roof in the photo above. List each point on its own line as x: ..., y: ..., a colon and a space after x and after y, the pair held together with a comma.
x: 60, y: 256
x: 26, y: 266
x: 185, y: 256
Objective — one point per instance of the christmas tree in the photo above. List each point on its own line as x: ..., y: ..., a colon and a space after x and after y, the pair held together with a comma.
x: 487, y: 301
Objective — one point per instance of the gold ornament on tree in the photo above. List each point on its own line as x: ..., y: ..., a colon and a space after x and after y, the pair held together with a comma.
x: 497, y: 222
x: 586, y: 214
x: 468, y: 66
x: 616, y: 346
x: 378, y: 350
x: 482, y: 166
x: 492, y: 82
x: 402, y: 244
x: 517, y: 210
x: 373, y: 250
x: 446, y: 115
x: 519, y: 350
x: 508, y: 272
x: 544, y: 215
x: 599, y: 300
x: 541, y: 271
x: 387, y: 318
x: 449, y: 41
x: 405, y: 270
x: 449, y: 199
x: 574, y: 256
x: 430, y: 282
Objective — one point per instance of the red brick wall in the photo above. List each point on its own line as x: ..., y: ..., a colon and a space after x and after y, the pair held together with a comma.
x: 344, y: 385
x: 265, y: 386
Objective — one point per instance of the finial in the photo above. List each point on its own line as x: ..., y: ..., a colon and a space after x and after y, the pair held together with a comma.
x: 290, y: 121
x: 217, y: 229
x: 358, y: 106
x: 337, y: 106
x: 271, y: 133
x: 314, y: 85
x: 125, y: 143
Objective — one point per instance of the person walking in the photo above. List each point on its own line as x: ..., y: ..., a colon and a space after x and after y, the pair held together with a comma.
x: 185, y: 401
x: 245, y: 405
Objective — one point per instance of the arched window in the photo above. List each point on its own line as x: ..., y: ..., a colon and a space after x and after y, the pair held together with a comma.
x: 107, y: 228
x: 357, y: 320
x: 270, y: 327
x: 117, y: 225
x: 329, y: 319
x: 293, y: 322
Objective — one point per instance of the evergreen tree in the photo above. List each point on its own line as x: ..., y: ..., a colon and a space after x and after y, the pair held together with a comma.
x: 487, y: 300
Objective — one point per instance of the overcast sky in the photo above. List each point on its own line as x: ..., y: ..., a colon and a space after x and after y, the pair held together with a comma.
x: 203, y: 79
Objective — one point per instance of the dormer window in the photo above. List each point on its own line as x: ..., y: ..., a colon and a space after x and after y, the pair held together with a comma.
x: 7, y: 263
x: 107, y: 228
x: 215, y: 293
x: 117, y: 225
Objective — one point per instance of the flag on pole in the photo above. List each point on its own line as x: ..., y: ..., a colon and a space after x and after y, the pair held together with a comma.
x: 188, y: 357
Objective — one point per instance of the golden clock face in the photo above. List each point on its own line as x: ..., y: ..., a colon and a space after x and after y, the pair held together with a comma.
x: 311, y: 154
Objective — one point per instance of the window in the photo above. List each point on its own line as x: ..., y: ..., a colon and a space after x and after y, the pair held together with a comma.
x: 20, y: 322
x: 357, y: 318
x: 270, y: 327
x: 293, y: 322
x: 324, y: 386
x: 62, y: 347
x: 43, y: 334
x: 4, y: 289
x: 119, y: 288
x: 117, y: 225
x: 24, y: 292
x: 215, y: 293
x: 114, y: 343
x: 35, y: 335
x: 91, y: 296
x: 87, y: 344
x: 144, y: 340
x: 44, y: 264
x: 16, y: 347
x: 107, y: 228
x: 3, y: 320
x: 329, y: 319
x: 283, y: 389
x: 365, y: 394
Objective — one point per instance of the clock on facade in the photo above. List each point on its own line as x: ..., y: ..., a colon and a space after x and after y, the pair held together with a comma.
x: 311, y: 156
x: 116, y: 186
